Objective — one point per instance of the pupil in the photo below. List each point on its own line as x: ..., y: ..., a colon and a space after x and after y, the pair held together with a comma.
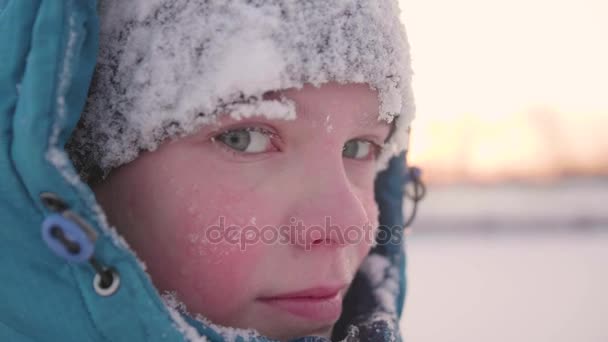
x: 350, y: 149
x: 238, y: 140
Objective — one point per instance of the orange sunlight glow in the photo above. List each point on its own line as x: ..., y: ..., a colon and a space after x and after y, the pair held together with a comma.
x: 509, y: 89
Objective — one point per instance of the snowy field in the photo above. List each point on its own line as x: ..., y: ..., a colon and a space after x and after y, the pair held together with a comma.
x: 502, y: 272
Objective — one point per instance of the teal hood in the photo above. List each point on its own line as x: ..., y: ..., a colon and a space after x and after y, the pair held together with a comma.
x: 48, y: 52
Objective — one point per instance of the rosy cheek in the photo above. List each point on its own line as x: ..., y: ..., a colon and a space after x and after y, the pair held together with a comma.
x: 214, y: 277
x: 212, y: 270
x: 209, y: 271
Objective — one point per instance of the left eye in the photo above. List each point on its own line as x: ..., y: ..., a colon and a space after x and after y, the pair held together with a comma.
x: 358, y: 149
x: 246, y: 140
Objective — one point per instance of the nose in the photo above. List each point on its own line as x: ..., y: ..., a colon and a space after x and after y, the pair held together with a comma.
x: 327, y: 211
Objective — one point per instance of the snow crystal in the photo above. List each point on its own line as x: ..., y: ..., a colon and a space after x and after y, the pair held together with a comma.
x: 229, y: 334
x: 166, y: 66
x: 271, y: 109
x: 174, y: 306
x: 384, y: 279
x: 328, y: 126
x: 54, y: 155
x: 352, y: 334
x: 58, y: 157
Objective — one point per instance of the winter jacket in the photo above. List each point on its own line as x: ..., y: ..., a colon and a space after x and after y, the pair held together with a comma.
x: 47, y: 55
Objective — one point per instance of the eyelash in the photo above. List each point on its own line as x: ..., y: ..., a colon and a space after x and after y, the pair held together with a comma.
x: 274, y: 139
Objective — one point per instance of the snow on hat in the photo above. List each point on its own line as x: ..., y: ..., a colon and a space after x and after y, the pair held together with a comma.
x: 165, y: 67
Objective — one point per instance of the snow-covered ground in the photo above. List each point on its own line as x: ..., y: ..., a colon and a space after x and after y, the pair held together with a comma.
x: 517, y: 279
x: 578, y: 204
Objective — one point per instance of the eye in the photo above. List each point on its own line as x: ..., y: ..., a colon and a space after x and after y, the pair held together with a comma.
x: 360, y: 149
x: 247, y: 140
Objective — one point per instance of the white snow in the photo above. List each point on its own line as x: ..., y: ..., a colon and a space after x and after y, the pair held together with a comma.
x: 523, y: 286
x: 272, y: 109
x: 166, y: 67
x: 352, y: 334
x: 55, y: 155
x: 384, y: 278
x: 328, y: 126
x: 174, y: 306
x: 229, y: 334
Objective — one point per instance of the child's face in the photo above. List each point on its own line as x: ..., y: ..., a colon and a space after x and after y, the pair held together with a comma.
x: 262, y: 181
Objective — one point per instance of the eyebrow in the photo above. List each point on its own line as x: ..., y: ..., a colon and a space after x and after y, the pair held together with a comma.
x: 372, y: 120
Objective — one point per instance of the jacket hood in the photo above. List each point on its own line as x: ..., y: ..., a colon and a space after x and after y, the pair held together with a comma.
x: 51, y: 290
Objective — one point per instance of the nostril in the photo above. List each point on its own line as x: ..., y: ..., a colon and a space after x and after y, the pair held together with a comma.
x: 323, y: 241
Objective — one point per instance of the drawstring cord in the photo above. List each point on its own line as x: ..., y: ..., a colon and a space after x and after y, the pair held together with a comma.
x: 414, y: 190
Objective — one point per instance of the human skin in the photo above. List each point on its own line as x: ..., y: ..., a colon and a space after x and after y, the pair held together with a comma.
x: 165, y: 201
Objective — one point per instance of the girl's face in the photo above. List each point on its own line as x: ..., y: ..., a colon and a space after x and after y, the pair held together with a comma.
x: 259, y: 223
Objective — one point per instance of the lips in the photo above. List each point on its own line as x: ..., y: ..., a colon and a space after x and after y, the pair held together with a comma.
x: 320, y: 304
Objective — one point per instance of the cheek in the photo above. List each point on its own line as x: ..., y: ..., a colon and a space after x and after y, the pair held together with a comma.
x: 212, y: 276
x: 211, y: 263
x: 189, y: 253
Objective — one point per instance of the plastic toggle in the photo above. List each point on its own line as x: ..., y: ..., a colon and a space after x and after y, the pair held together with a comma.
x: 66, y: 239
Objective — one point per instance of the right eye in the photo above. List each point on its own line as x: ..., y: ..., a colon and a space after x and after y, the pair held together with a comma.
x: 247, y: 140
x: 360, y: 149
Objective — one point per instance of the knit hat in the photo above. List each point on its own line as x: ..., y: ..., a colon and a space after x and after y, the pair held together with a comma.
x: 166, y: 67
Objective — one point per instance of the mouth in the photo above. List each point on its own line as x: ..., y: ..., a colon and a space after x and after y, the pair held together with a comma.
x: 319, y: 304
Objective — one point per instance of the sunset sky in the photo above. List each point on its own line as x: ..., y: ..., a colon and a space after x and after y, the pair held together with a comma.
x: 509, y: 89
